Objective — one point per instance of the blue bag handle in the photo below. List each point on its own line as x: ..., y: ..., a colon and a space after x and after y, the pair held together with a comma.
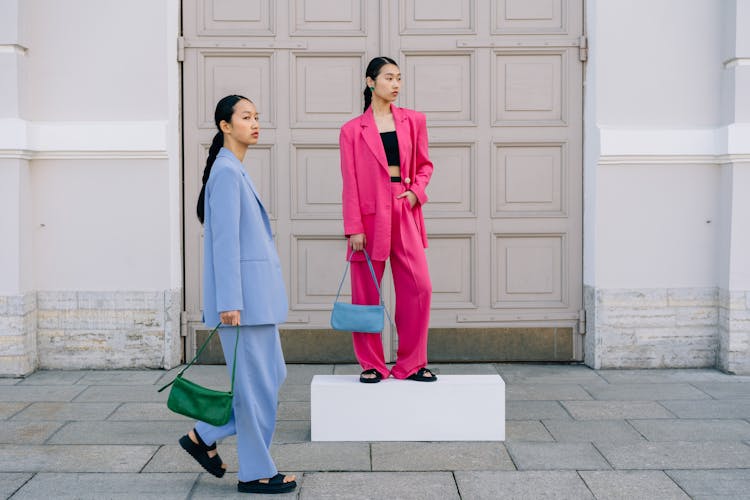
x: 374, y: 280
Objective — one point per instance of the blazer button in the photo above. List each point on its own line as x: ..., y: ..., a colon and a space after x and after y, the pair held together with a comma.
x: 407, y: 180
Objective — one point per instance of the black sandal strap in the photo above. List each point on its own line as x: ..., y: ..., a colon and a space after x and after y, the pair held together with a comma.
x: 201, y: 443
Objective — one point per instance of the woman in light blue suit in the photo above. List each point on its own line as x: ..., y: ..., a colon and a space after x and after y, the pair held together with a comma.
x: 243, y: 286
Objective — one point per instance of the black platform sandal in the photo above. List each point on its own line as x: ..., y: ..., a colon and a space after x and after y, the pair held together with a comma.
x: 370, y: 380
x: 199, y: 451
x: 423, y: 375
x: 274, y: 485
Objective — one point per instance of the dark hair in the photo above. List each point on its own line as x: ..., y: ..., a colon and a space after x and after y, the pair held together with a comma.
x: 373, y: 70
x: 224, y: 111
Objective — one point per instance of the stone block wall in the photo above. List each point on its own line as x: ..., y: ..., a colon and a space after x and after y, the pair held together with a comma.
x: 18, y: 339
x: 734, y: 331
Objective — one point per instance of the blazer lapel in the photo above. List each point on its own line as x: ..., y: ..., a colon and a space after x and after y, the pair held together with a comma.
x: 403, y: 134
x: 372, y: 137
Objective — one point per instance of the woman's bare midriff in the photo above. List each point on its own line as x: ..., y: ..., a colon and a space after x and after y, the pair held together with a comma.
x: 395, y: 170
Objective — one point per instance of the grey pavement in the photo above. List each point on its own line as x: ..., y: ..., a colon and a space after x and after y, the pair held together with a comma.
x: 571, y: 432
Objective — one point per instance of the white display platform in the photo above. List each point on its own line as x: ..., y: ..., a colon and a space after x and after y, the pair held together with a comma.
x: 454, y: 408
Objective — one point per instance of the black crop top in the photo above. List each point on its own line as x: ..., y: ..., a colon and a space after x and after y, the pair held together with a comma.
x: 390, y: 144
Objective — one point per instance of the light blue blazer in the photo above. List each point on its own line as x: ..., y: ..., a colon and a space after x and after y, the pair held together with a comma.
x: 241, y: 268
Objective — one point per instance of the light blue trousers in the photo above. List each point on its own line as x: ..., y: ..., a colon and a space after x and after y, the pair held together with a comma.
x: 259, y: 375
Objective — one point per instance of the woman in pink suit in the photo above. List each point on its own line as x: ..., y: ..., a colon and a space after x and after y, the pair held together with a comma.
x: 385, y: 169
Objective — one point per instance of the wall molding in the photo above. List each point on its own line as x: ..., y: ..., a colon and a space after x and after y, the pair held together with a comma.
x: 715, y: 143
x: 673, y: 159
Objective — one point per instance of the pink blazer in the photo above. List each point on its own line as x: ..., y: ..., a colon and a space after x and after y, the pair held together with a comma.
x: 367, y: 182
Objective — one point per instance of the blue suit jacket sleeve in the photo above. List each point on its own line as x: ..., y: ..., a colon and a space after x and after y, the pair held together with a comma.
x: 224, y: 199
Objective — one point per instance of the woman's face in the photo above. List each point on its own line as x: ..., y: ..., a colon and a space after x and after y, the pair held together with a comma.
x: 245, y: 127
x: 388, y: 83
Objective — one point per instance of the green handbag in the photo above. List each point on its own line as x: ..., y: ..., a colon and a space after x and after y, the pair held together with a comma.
x: 198, y: 402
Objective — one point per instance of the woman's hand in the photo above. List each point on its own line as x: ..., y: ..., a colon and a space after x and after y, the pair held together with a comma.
x: 357, y: 241
x: 409, y: 194
x: 230, y: 318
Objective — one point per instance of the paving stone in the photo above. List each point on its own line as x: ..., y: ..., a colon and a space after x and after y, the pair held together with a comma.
x: 322, y: 456
x: 10, y: 381
x: 293, y: 411
x: 303, y: 374
x: 705, y: 484
x: 292, y: 431
x: 500, y: 485
x: 122, y: 377
x: 615, y: 410
x: 211, y: 376
x: 463, y: 368
x: 172, y: 458
x: 10, y: 482
x: 667, y: 375
x: 7, y: 410
x: 451, y: 456
x: 526, y: 430
x: 66, y: 411
x: 109, y: 432
x: 677, y: 455
x: 544, y: 392
x: 534, y: 410
x: 347, y: 370
x: 31, y: 393
x: 725, y: 408
x: 611, y: 431
x: 549, y: 374
x: 145, y: 411
x: 86, y: 458
x: 294, y: 393
x: 645, y: 392
x: 121, y: 393
x: 111, y: 486
x: 556, y: 456
x: 625, y: 485
x: 720, y: 390
x: 54, y: 377
x: 210, y: 488
x: 379, y: 485
x: 13, y: 432
x: 693, y: 430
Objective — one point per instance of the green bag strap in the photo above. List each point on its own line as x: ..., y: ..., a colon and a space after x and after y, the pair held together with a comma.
x: 200, y: 351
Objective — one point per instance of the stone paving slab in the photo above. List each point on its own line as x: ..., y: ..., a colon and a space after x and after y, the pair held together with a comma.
x: 548, y: 374
x: 7, y: 410
x: 545, y: 392
x: 121, y: 393
x: 722, y: 390
x: 57, y: 411
x: 298, y: 392
x: 603, y: 431
x: 379, y: 486
x: 292, y: 431
x: 712, y: 484
x: 31, y: 393
x: 347, y: 369
x: 463, y: 368
x: 210, y: 488
x: 615, y: 410
x: 13, y: 432
x: 556, y: 456
x: 85, y: 458
x: 211, y: 376
x: 526, y: 430
x: 166, y: 432
x: 172, y: 458
x: 322, y: 456
x: 693, y: 430
x: 293, y: 411
x: 145, y: 412
x: 53, y: 377
x: 668, y: 375
x: 677, y: 455
x: 724, y: 409
x: 10, y: 381
x: 626, y: 485
x: 443, y: 456
x: 303, y: 374
x: 645, y: 392
x: 534, y: 410
x: 122, y: 377
x: 501, y: 485
x: 10, y: 482
x: 110, y: 486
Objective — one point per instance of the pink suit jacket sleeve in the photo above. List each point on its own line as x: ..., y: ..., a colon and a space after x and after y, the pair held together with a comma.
x: 423, y: 166
x: 350, y: 195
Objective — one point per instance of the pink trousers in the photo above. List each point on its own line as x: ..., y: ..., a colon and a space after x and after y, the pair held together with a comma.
x: 411, y: 280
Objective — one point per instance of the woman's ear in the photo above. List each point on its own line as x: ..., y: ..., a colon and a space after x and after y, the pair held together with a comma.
x: 225, y: 127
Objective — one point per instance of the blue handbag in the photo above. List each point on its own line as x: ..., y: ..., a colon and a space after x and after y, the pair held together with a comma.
x: 355, y: 317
